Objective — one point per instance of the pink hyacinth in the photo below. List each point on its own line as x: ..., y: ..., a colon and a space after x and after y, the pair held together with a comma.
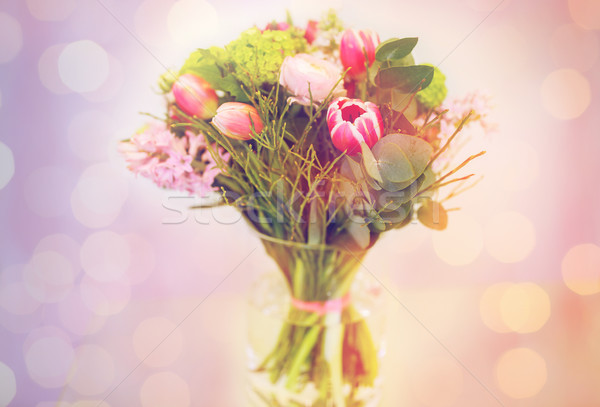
x: 179, y: 163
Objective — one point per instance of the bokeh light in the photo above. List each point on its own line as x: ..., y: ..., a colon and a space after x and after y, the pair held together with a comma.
x: 48, y: 70
x: 461, y: 242
x: 99, y: 195
x: 443, y: 375
x: 525, y: 307
x: 142, y: 259
x: 60, y: 243
x: 566, y: 94
x: 190, y: 21
x: 49, y: 361
x: 90, y: 403
x: 105, y: 256
x: 489, y: 307
x: 94, y: 370
x: 87, y: 134
x: 56, y: 10
x: 165, y: 389
x: 83, y: 66
x: 585, y: 13
x: 515, y: 164
x: 76, y: 317
x: 157, y: 342
x: 574, y: 47
x: 49, y: 276
x: 151, y: 21
x: 581, y: 269
x: 521, y: 373
x: 7, y: 165
x: 11, y: 38
x: 47, y: 189
x: 515, y: 307
x: 8, y: 385
x: 15, y: 299
x: 105, y: 299
x: 111, y: 87
x: 509, y: 237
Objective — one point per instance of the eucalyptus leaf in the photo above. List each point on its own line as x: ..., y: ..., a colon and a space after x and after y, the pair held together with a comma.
x: 433, y: 215
x: 407, y: 79
x: 403, y: 102
x: 395, y: 186
x: 417, y: 150
x: 395, y: 48
x: 409, y: 217
x: 370, y: 163
x: 391, y: 200
x: 398, y: 216
x: 429, y: 178
x: 374, y: 185
x: 351, y: 169
x: 394, y: 165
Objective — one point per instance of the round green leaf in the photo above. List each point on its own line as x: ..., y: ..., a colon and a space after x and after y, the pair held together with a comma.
x: 395, y: 48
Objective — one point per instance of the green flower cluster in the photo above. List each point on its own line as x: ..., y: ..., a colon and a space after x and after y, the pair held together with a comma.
x: 331, y: 21
x: 258, y: 56
x: 433, y: 95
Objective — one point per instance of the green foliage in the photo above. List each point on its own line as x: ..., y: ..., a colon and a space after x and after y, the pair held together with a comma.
x: 331, y: 21
x: 395, y: 49
x: 387, y: 180
x: 257, y: 57
x: 402, y: 157
x: 214, y: 67
x: 407, y: 79
x: 433, y: 96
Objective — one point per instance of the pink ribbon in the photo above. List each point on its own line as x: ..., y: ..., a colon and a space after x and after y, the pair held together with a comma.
x: 322, y: 307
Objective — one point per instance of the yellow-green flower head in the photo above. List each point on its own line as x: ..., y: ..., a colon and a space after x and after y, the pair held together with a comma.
x: 433, y: 95
x: 258, y: 56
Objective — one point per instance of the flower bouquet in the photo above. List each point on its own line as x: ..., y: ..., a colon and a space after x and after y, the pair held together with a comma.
x: 323, y: 138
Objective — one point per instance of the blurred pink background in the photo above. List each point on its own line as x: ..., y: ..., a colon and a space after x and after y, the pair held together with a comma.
x: 98, y: 269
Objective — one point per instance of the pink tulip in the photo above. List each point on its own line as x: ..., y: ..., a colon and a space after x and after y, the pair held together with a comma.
x: 304, y: 75
x: 352, y: 122
x: 237, y: 120
x: 194, y: 96
x: 310, y: 33
x: 353, y: 47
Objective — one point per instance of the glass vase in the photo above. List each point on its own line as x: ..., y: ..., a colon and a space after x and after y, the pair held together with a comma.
x: 315, y: 330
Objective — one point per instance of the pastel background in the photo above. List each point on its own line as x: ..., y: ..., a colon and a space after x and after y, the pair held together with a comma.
x: 113, y: 294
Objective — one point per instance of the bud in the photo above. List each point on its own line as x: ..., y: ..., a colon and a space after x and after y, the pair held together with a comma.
x: 352, y: 122
x: 353, y: 47
x: 310, y: 33
x: 194, y: 96
x: 236, y: 120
